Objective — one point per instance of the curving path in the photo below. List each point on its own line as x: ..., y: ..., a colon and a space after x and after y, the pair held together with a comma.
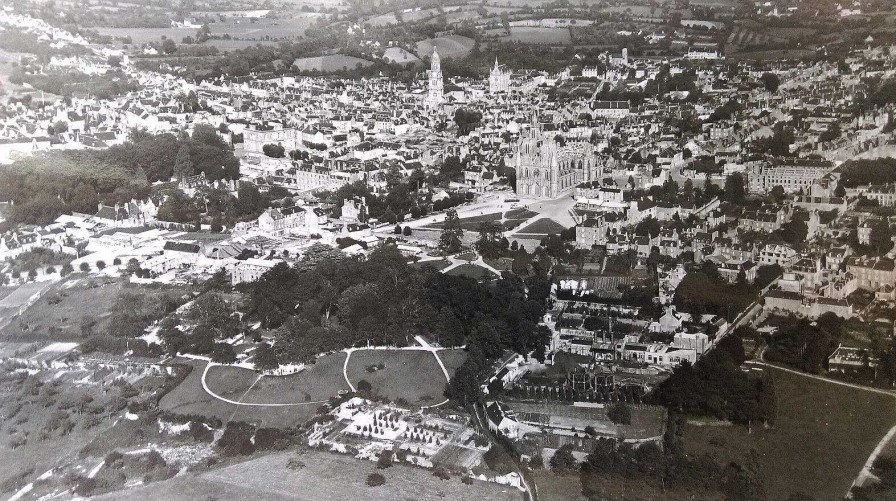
x: 249, y: 404
x: 424, y: 346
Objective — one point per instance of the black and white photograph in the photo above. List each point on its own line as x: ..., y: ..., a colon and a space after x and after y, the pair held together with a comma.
x: 448, y: 250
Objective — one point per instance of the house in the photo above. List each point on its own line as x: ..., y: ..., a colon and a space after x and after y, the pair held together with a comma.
x: 250, y: 270
x: 779, y: 254
x: 847, y: 360
x: 280, y: 221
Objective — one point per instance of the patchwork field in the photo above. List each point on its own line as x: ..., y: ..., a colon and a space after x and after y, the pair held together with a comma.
x: 412, y: 375
x: 822, y: 436
x: 320, y: 475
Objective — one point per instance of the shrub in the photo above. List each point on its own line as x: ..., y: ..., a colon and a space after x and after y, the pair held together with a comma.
x: 375, y: 480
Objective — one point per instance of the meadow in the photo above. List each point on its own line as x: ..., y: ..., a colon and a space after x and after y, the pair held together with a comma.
x: 412, y: 375
x: 335, y: 62
x: 820, y: 440
x: 317, y: 475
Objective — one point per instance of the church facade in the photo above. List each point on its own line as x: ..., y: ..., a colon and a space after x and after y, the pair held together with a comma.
x: 499, y: 79
x: 547, y: 168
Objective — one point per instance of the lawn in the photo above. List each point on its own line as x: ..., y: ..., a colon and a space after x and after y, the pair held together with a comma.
x: 543, y: 226
x: 321, y: 475
x: 438, y: 265
x: 189, y: 398
x: 473, y: 271
x: 317, y: 383
x: 452, y: 359
x: 412, y: 375
x: 823, y: 435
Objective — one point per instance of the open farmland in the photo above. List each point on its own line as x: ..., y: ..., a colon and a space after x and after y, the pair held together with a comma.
x: 335, y: 62
x: 822, y: 436
x: 141, y: 36
x: 320, y: 476
x: 413, y: 375
x: 538, y: 35
x: 453, y: 46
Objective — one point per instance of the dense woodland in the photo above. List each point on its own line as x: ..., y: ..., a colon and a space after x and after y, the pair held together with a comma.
x: 328, y: 301
x: 716, y: 387
x: 45, y: 186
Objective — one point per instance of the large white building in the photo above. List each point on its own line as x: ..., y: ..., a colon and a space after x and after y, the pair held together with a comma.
x: 792, y: 174
x: 499, y: 79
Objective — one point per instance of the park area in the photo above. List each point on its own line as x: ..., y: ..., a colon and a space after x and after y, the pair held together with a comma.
x: 281, y: 401
x: 315, y: 475
x: 292, y: 400
x: 414, y: 376
x: 821, y: 438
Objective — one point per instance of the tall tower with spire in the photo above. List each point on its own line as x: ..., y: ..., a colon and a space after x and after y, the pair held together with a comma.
x: 436, y: 94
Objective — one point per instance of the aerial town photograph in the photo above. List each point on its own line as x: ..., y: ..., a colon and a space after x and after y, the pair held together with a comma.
x: 425, y: 250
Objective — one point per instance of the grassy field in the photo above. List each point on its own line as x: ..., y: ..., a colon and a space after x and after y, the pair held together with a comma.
x: 190, y: 398
x: 336, y: 62
x: 322, y: 476
x: 473, y: 271
x: 536, y: 35
x: 438, y: 265
x: 317, y: 383
x: 412, y: 375
x: 453, y: 46
x: 452, y: 359
x: 822, y: 436
x: 543, y: 226
x: 67, y: 307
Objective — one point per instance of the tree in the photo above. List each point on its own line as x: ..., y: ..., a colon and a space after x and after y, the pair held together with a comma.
x: 274, y: 150
x: 771, y: 82
x: 265, y: 358
x: 66, y: 269
x: 881, y: 237
x: 223, y: 353
x: 375, y: 480
x: 397, y: 230
x: 563, y: 462
x: 735, y: 188
x: 169, y: 46
x: 183, y: 166
x: 364, y: 387
x: 84, y: 267
x: 450, y: 240
x: 407, y: 231
x: 384, y: 460
x: 100, y: 265
x: 619, y: 413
